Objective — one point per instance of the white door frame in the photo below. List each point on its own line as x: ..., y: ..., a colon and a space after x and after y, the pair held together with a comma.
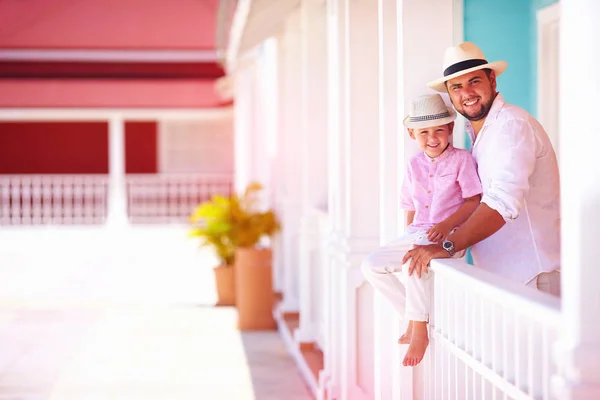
x: 548, y: 48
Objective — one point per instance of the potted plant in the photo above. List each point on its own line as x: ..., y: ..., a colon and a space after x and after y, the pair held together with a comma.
x: 253, y: 259
x: 211, y: 223
x: 236, y: 228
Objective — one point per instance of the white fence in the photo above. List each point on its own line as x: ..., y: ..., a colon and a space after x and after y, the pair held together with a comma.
x: 53, y: 199
x: 83, y: 199
x: 170, y: 198
x: 491, y: 339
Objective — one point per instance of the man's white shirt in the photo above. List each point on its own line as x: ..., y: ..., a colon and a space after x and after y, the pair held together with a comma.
x: 519, y: 174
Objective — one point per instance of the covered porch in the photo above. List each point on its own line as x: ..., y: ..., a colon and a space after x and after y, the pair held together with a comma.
x: 320, y: 94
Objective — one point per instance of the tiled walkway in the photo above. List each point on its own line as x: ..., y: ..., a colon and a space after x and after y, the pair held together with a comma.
x: 87, y: 314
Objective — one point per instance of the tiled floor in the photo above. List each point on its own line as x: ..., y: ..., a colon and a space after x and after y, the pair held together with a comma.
x: 94, y: 314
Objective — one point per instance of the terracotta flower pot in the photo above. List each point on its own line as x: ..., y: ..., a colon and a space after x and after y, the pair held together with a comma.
x: 225, y: 283
x: 254, y: 289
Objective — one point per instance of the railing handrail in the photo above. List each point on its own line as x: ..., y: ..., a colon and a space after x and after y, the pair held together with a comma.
x: 181, y: 174
x: 159, y: 175
x: 541, y: 307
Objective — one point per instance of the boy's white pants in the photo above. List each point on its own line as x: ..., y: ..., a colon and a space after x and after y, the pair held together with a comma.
x: 411, y: 299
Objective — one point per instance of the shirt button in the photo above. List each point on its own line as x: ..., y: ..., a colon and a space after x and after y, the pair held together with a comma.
x: 431, y: 175
x: 432, y: 160
x: 426, y: 206
x: 429, y: 191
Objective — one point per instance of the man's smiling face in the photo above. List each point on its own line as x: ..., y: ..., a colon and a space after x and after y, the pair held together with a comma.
x: 472, y: 94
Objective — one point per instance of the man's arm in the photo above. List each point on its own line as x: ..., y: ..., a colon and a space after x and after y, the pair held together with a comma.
x: 508, y: 187
x: 483, y: 223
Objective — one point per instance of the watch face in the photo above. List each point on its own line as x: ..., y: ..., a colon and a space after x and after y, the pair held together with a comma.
x: 447, y: 245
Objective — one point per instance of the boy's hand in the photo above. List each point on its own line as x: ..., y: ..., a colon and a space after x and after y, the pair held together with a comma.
x: 438, y: 232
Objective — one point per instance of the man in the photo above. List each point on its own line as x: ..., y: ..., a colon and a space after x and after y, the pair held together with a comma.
x: 515, y: 230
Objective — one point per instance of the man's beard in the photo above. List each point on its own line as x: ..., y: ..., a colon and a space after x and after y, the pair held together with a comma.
x: 483, y: 111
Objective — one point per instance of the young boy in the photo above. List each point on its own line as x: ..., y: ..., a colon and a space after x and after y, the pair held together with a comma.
x: 441, y: 189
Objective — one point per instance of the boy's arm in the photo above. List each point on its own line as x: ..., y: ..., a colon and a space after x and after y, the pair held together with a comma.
x: 410, y: 216
x: 441, y: 230
x: 464, y: 212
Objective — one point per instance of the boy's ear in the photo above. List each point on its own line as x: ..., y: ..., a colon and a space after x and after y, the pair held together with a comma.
x: 451, y: 127
x: 411, y: 133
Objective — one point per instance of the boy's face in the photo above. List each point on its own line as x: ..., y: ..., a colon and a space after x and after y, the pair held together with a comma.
x: 434, y: 139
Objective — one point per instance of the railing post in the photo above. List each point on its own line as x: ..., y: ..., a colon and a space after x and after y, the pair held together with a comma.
x: 578, y: 349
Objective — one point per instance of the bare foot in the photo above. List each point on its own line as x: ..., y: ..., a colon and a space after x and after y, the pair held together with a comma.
x: 418, y: 344
x: 416, y: 351
x: 405, y: 339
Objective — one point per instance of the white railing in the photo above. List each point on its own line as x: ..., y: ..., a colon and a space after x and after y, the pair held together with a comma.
x: 490, y: 338
x: 170, y: 198
x: 53, y: 199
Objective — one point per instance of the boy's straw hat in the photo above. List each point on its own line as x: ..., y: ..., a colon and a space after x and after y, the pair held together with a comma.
x: 429, y: 110
x: 462, y: 59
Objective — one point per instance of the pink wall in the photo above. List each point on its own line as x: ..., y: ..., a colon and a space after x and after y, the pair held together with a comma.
x: 107, y: 93
x: 108, y: 24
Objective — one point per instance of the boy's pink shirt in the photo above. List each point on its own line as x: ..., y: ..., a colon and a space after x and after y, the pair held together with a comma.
x: 436, y: 187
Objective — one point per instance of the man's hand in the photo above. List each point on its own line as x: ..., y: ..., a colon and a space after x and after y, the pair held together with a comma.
x: 438, y: 232
x: 420, y: 257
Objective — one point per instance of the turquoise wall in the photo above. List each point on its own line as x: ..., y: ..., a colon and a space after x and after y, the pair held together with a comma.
x: 507, y: 30
x: 543, y: 3
x: 502, y: 30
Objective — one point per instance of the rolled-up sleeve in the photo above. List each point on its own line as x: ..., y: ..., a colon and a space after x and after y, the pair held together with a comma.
x: 406, y: 198
x: 514, y: 163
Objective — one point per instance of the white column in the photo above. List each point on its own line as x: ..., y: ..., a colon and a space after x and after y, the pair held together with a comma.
x: 336, y: 68
x: 289, y: 183
x: 117, y: 196
x: 313, y: 161
x: 276, y: 150
x: 578, y: 350
x: 243, y: 125
x: 391, y: 162
x: 354, y: 164
x: 269, y: 113
x: 406, y: 67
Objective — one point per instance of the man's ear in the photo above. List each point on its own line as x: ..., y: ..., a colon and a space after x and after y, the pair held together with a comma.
x: 493, y: 79
x: 411, y: 133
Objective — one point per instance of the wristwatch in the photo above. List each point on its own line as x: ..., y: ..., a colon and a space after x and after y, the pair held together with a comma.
x: 449, y: 247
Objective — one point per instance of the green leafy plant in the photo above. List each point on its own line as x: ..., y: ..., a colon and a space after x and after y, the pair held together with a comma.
x: 227, y: 223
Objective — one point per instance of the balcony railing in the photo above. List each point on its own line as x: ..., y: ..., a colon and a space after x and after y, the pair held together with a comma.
x: 490, y: 338
x: 53, y: 199
x: 83, y: 199
x: 170, y: 198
